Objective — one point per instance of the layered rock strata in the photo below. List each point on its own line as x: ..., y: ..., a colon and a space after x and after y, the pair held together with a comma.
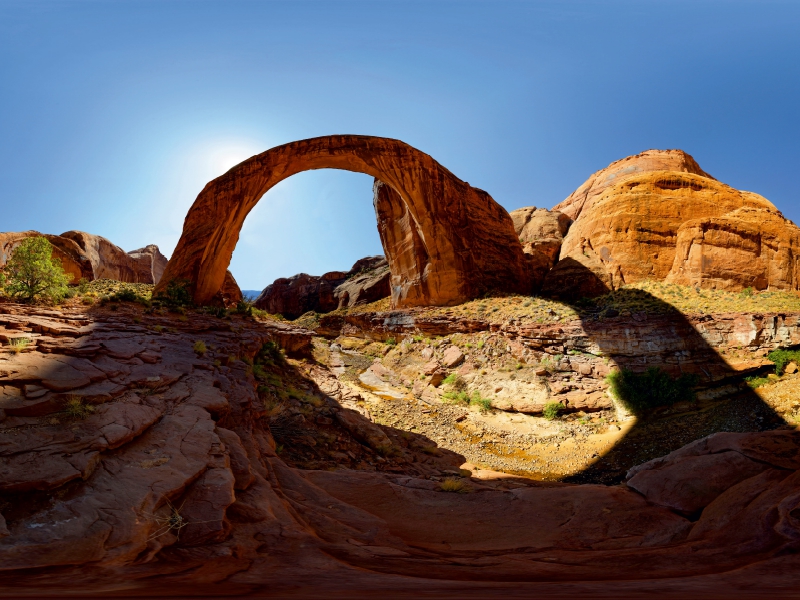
x: 367, y: 281
x: 175, y: 484
x: 91, y: 257
x: 469, y: 239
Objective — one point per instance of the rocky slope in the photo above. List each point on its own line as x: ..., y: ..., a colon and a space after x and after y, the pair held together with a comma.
x: 366, y: 281
x: 88, y: 256
x: 194, y: 468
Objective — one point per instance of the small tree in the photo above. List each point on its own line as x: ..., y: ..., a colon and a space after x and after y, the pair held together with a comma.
x: 33, y: 274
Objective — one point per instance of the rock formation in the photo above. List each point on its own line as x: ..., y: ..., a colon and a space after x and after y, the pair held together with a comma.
x: 366, y: 281
x: 88, y: 256
x: 469, y: 239
x: 627, y: 223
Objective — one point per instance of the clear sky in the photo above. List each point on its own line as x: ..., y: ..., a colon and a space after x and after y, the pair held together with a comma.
x: 114, y: 114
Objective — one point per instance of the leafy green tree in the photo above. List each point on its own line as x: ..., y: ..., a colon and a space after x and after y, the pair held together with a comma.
x: 33, y: 274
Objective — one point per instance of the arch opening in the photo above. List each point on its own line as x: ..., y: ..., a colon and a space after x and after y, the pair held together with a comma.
x: 459, y: 245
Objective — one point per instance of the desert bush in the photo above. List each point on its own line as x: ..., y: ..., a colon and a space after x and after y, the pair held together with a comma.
x: 177, y: 294
x: 482, y: 403
x: 19, y: 344
x: 244, y: 307
x: 200, y: 347
x: 551, y: 410
x: 783, y: 357
x: 76, y: 408
x: 270, y: 354
x: 755, y: 381
x: 32, y: 274
x: 455, y: 485
x: 640, y: 392
x: 455, y: 381
x: 390, y: 341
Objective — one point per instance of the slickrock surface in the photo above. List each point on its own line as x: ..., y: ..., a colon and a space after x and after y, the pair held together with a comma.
x: 199, y: 474
x: 650, y: 160
x: 367, y: 281
x: 469, y: 239
x: 88, y: 256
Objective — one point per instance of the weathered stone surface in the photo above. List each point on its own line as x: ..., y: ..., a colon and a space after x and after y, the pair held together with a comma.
x: 75, y: 262
x: 452, y: 357
x: 468, y: 237
x: 162, y: 500
x: 368, y: 284
x: 540, y: 229
x: 659, y: 216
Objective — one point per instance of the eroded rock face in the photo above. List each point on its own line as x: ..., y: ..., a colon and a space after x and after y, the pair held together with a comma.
x: 658, y: 215
x: 88, y: 256
x: 469, y: 238
x: 152, y: 260
x: 367, y: 281
x: 749, y: 247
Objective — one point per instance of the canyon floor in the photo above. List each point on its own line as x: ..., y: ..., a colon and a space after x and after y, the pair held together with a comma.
x: 155, y: 453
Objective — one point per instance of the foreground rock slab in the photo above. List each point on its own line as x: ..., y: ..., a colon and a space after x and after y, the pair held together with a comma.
x: 179, y: 486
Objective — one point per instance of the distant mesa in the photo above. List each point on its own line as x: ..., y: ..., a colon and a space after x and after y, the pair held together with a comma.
x: 366, y: 281
x: 88, y: 256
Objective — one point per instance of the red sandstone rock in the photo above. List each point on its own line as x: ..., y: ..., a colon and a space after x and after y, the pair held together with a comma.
x: 367, y: 281
x: 469, y: 239
x: 749, y: 247
x: 659, y: 216
x: 88, y: 256
x: 650, y: 160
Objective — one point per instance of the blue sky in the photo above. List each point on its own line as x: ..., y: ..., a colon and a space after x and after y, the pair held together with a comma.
x: 114, y: 114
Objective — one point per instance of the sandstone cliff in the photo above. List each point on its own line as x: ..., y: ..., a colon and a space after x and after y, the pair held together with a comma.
x: 88, y: 256
x: 366, y: 281
x: 658, y: 216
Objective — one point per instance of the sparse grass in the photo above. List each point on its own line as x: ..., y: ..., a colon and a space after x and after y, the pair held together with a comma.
x: 455, y: 485
x: 200, y: 347
x: 551, y: 410
x: 76, y: 408
x: 455, y: 381
x: 19, y: 344
x: 391, y: 341
x: 755, y: 381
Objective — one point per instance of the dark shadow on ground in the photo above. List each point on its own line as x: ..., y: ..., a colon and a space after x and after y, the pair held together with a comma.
x: 659, y: 335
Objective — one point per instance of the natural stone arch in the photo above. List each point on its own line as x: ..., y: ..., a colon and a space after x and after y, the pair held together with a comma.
x: 469, y: 241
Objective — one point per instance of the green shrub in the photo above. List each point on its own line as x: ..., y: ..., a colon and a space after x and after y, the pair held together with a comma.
x: 551, y: 410
x: 755, y: 381
x: 244, y: 307
x: 200, y: 347
x: 782, y: 357
x: 269, y: 354
x: 482, y: 403
x: 455, y: 381
x: 177, y: 294
x: 33, y: 274
x: 456, y: 397
x: 391, y: 341
x: 640, y: 392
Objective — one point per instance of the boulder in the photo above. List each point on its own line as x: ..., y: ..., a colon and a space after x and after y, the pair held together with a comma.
x: 540, y: 229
